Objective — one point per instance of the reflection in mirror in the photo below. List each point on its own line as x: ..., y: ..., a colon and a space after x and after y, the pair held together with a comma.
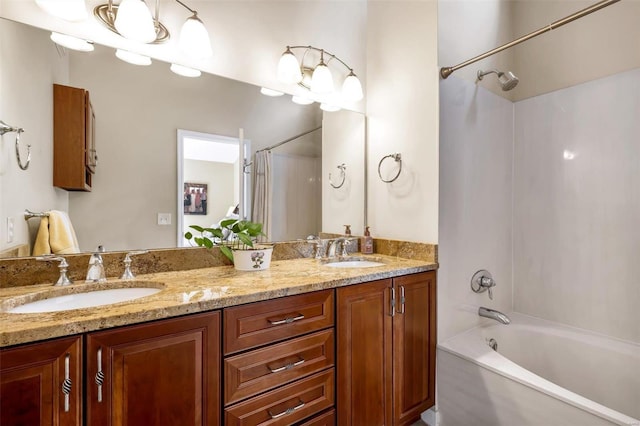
x: 209, y: 166
x: 134, y: 201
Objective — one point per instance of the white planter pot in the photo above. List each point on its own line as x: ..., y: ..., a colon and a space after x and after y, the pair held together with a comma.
x: 255, y: 259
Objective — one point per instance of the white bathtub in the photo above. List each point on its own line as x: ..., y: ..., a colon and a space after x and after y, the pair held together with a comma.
x: 543, y: 373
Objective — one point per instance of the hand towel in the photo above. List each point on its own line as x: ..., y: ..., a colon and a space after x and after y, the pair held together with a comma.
x: 56, y: 235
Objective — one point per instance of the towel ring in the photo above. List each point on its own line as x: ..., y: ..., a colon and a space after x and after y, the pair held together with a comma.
x: 398, y: 159
x: 5, y: 128
x: 343, y: 174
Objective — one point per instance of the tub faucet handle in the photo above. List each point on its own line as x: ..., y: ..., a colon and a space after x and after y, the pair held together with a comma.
x: 483, y: 281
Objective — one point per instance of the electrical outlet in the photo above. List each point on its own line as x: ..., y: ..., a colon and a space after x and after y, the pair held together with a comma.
x: 10, y: 230
x: 164, y: 219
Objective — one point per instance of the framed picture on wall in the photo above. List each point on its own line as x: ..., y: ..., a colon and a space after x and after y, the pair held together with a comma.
x: 195, y: 198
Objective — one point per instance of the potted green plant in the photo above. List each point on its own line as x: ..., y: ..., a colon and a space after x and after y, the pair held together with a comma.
x: 235, y: 238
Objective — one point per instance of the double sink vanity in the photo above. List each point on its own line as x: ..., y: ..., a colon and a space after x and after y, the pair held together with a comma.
x: 302, y: 343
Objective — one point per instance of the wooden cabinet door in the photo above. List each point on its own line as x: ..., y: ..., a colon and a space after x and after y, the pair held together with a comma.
x: 414, y: 345
x: 156, y: 374
x: 41, y: 384
x: 364, y: 364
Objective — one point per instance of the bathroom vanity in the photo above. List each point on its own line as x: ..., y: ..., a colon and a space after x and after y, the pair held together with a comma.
x: 300, y: 343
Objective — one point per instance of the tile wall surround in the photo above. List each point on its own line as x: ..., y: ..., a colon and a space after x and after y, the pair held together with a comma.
x: 577, y: 206
x: 28, y: 271
x: 475, y: 225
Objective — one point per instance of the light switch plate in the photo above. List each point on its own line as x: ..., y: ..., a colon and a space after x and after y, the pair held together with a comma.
x: 164, y: 219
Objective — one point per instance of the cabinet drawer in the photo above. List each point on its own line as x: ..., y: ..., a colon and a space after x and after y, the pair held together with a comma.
x: 327, y: 418
x: 286, y: 405
x: 256, y: 324
x: 262, y: 369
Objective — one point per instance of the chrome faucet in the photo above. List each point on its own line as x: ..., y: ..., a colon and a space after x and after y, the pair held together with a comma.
x: 127, y: 274
x: 63, y: 267
x: 494, y: 315
x: 95, y: 271
x: 320, y: 246
x: 333, y: 246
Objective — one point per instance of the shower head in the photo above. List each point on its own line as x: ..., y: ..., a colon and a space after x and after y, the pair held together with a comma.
x: 507, y: 80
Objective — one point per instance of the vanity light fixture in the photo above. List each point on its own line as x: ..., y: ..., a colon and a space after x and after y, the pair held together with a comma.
x: 270, y: 92
x: 69, y: 10
x: 133, y: 58
x: 132, y: 19
x: 73, y: 43
x: 329, y: 107
x: 317, y: 78
x: 300, y: 100
x: 185, y: 71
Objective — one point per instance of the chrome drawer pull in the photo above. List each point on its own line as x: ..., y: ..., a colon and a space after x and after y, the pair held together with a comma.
x: 392, y: 310
x: 402, y: 299
x: 66, y: 384
x: 99, y: 375
x: 287, y: 320
x: 287, y: 411
x: 288, y: 366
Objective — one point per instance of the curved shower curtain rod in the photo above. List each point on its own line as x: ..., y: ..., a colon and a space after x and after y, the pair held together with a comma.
x: 447, y: 71
x: 289, y: 139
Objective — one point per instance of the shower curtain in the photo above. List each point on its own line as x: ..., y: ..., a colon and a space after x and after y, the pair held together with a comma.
x: 262, y: 193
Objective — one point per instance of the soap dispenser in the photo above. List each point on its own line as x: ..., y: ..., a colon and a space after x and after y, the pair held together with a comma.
x: 95, y: 273
x: 367, y: 242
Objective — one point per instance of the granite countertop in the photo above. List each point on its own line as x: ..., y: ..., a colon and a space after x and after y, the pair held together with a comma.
x: 185, y: 292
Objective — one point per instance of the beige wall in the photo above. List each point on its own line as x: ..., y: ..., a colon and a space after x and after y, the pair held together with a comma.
x: 344, y: 205
x: 29, y: 66
x: 469, y: 28
x: 402, y: 116
x: 220, y: 191
x: 598, y: 45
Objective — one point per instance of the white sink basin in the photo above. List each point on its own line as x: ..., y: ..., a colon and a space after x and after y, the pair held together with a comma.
x: 89, y: 299
x: 354, y: 264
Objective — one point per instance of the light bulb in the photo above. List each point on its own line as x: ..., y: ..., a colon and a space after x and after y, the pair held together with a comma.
x: 300, y: 100
x: 185, y: 71
x: 351, y: 88
x: 321, y: 80
x: 69, y: 10
x: 329, y: 107
x: 289, y: 68
x: 270, y: 92
x: 133, y: 58
x: 70, y: 42
x: 194, y: 39
x: 134, y: 21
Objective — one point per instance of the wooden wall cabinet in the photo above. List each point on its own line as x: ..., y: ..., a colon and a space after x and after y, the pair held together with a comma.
x: 386, y: 341
x: 74, y: 151
x: 32, y: 383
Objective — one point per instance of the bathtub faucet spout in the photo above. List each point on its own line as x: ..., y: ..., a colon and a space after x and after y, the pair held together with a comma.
x: 493, y: 314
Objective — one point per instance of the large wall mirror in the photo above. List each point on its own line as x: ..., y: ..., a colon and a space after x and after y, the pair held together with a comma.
x: 134, y: 202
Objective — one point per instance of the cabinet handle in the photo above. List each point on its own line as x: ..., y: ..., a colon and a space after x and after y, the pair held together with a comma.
x: 66, y: 383
x: 287, y: 320
x: 402, y: 299
x: 287, y: 366
x: 99, y: 375
x: 393, y: 301
x: 287, y: 411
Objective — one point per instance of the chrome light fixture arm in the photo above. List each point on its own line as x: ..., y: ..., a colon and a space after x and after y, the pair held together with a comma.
x: 322, y: 52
